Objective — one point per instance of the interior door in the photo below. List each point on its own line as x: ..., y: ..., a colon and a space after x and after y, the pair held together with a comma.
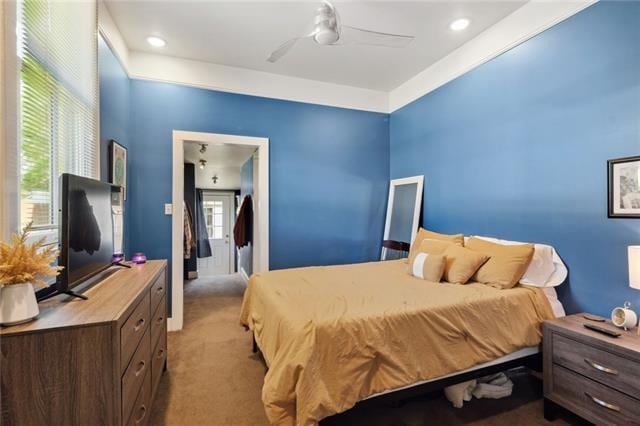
x: 218, y: 211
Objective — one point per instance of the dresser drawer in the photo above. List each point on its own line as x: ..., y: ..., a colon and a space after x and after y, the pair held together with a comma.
x: 132, y: 331
x: 595, y: 402
x: 159, y: 322
x: 158, y: 290
x: 142, y: 407
x: 134, y: 375
x: 612, y: 370
x: 158, y: 358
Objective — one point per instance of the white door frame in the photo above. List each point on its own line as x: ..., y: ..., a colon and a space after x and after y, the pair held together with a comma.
x: 260, y: 217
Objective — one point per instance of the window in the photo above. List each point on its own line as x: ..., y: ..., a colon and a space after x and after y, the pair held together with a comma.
x: 213, y: 216
x: 58, y: 81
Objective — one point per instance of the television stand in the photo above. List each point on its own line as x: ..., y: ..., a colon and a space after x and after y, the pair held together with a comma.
x: 52, y: 292
x: 74, y: 294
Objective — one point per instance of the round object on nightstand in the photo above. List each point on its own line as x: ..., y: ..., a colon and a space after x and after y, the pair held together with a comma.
x: 624, y: 317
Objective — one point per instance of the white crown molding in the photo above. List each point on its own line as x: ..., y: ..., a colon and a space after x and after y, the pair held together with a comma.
x: 521, y: 25
x: 524, y: 23
x: 146, y: 66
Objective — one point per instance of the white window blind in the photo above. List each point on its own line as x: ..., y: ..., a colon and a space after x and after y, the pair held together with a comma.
x: 57, y: 50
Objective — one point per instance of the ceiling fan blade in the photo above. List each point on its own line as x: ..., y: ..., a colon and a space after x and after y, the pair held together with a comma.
x: 353, y: 35
x: 286, y: 46
x: 282, y: 50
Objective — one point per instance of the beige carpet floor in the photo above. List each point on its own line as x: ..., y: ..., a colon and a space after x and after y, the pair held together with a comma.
x: 213, y: 378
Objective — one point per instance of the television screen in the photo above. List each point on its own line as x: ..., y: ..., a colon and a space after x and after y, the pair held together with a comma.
x: 86, y: 228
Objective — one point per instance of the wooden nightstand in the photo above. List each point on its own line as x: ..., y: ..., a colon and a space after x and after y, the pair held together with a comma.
x: 593, y: 375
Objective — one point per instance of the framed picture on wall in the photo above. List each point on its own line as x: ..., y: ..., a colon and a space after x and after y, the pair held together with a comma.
x: 118, y: 165
x: 624, y: 187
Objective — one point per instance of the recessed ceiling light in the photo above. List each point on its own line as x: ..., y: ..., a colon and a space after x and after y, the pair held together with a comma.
x: 459, y: 24
x: 156, y: 41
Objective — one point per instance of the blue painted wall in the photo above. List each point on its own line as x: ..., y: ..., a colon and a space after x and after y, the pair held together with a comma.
x: 517, y: 148
x: 115, y: 111
x: 329, y: 170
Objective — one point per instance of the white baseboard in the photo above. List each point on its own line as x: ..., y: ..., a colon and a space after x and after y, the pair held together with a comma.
x: 244, y: 275
x: 174, y: 324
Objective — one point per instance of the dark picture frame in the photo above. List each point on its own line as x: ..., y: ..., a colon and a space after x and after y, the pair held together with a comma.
x: 623, y: 184
x: 118, y: 165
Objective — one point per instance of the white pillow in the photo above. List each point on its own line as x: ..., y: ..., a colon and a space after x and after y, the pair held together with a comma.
x: 556, y: 306
x: 546, y: 268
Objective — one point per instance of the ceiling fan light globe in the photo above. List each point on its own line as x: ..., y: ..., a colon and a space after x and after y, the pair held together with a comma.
x: 325, y: 36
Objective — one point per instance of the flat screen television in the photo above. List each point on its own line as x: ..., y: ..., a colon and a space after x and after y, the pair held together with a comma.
x: 86, y: 229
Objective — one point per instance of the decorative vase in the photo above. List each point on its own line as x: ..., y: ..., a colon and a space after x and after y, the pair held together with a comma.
x: 18, y: 304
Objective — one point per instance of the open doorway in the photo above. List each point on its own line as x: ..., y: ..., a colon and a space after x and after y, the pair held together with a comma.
x: 217, y: 180
x: 220, y: 184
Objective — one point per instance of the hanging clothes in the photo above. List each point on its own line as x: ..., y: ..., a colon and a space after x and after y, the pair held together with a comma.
x: 243, y: 229
x: 189, y: 236
x: 202, y: 236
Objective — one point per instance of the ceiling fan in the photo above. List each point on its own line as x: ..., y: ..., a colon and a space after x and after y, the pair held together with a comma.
x: 329, y: 31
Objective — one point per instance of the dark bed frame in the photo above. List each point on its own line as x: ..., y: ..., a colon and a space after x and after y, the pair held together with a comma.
x: 533, y: 362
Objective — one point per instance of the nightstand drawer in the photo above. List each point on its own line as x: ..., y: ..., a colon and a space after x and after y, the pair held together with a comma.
x: 615, y: 371
x: 593, y: 401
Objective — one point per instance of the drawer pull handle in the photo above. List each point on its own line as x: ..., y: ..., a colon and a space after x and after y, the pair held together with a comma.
x: 160, y: 289
x: 601, y: 367
x: 603, y: 404
x: 141, y: 366
x: 159, y: 320
x: 143, y: 412
x: 139, y: 324
x: 160, y: 353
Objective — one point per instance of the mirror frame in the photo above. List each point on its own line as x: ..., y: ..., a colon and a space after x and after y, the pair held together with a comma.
x: 419, y: 180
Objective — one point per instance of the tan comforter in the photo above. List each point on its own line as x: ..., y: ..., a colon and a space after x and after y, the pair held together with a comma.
x: 337, y: 334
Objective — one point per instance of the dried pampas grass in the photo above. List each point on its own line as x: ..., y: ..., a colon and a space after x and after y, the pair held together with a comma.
x: 22, y: 262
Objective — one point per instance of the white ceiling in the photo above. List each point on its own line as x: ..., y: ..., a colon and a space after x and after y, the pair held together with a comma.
x: 242, y: 34
x: 218, y: 155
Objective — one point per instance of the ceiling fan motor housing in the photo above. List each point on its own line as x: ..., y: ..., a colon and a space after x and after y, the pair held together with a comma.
x: 326, y: 29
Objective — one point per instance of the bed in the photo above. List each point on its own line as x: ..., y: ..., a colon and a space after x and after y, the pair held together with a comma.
x: 336, y: 335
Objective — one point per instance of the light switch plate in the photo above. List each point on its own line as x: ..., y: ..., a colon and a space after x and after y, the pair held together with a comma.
x: 168, y: 209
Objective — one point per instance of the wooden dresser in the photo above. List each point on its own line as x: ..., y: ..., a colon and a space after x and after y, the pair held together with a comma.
x: 89, y: 362
x: 595, y: 376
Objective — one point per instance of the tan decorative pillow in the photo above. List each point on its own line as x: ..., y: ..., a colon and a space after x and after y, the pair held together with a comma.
x: 457, y: 239
x: 429, y: 267
x: 507, y: 265
x: 430, y: 247
x: 461, y: 264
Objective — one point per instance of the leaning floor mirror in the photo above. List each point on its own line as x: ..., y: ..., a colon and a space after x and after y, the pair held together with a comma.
x: 403, y: 215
